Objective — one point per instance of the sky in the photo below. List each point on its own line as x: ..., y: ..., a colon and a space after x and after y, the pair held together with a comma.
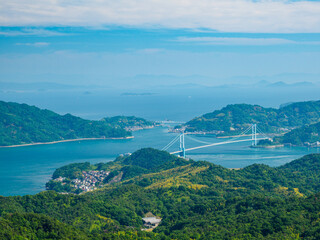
x: 149, y: 42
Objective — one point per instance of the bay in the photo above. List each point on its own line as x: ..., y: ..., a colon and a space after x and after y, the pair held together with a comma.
x: 25, y: 170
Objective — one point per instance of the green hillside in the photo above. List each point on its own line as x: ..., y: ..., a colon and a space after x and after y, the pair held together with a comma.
x: 144, y: 161
x: 149, y: 158
x: 301, y: 136
x: 308, y: 135
x: 237, y: 117
x: 195, y: 200
x: 21, y: 124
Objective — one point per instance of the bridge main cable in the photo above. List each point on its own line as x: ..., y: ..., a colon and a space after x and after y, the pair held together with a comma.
x: 171, y: 143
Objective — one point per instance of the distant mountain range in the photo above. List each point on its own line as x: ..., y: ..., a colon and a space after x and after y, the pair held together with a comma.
x: 267, y: 84
x: 284, y: 84
x: 150, y: 82
x: 36, y: 86
x: 279, y: 80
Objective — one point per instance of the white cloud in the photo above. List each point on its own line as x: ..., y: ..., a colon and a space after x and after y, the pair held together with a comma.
x: 239, y: 41
x: 36, y: 44
x: 30, y: 32
x: 222, y: 15
x: 150, y: 50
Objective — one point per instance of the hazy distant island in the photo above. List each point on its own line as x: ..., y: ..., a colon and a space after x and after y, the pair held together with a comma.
x: 21, y: 124
x: 233, y: 119
x: 186, y: 199
x: 137, y: 94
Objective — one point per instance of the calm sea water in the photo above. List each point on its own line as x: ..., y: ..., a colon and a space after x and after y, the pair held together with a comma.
x: 175, y: 103
x: 25, y: 170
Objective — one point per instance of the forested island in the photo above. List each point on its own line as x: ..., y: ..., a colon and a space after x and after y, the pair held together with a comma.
x: 24, y: 124
x: 233, y: 119
x: 130, y: 123
x: 193, y: 199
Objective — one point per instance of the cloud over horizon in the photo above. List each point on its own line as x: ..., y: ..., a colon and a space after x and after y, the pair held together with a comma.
x: 30, y: 32
x: 241, y: 41
x: 268, y: 16
x: 36, y: 44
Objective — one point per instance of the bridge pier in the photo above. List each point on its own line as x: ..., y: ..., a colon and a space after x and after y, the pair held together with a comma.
x: 182, y: 147
x: 254, y: 134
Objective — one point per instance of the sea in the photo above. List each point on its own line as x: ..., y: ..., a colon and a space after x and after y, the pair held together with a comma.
x: 25, y: 170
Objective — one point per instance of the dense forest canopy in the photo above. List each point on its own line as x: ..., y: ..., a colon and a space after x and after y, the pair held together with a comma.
x: 197, y: 200
x: 237, y: 117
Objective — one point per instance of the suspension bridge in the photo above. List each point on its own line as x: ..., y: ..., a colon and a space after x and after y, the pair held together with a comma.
x: 253, y: 138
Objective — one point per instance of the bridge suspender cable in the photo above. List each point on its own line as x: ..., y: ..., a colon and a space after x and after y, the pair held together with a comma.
x: 233, y: 138
x: 262, y: 133
x: 171, y: 143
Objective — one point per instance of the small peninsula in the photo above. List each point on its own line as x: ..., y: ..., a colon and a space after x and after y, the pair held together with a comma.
x: 24, y: 125
x: 308, y: 136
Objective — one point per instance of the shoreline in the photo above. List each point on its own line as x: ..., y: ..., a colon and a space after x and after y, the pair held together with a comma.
x: 67, y: 140
x: 269, y: 146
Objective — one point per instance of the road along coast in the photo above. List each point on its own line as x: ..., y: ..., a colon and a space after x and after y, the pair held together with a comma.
x: 67, y: 140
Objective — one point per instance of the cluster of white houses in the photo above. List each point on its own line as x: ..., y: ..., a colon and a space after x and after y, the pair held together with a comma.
x: 314, y: 144
x: 90, y: 180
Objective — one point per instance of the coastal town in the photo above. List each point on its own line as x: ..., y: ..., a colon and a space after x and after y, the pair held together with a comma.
x: 89, y: 180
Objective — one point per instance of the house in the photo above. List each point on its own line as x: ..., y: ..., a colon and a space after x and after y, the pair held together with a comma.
x: 151, y: 222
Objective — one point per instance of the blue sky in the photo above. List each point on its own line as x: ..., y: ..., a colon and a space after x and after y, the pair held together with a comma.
x: 121, y: 42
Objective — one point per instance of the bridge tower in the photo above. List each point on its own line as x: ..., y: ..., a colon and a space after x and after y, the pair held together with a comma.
x: 182, y: 147
x: 254, y: 134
